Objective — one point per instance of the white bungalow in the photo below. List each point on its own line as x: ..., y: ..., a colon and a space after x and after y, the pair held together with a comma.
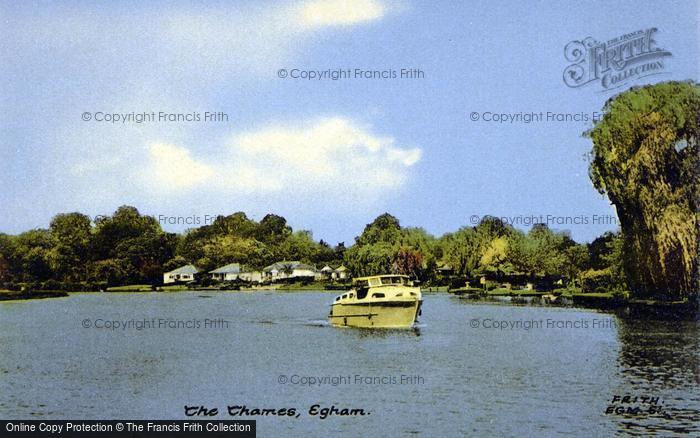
x: 229, y: 272
x: 326, y: 271
x: 282, y: 270
x: 340, y: 273
x: 251, y: 276
x: 183, y: 274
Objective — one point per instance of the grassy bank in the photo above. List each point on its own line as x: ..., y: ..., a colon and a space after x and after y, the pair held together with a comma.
x: 315, y: 285
x: 435, y: 289
x: 500, y: 292
x: 9, y: 295
x: 146, y: 288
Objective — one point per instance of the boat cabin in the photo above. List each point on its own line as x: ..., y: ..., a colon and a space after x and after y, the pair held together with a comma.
x: 362, y: 285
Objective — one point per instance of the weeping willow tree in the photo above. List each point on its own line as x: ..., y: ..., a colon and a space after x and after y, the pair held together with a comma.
x: 645, y: 158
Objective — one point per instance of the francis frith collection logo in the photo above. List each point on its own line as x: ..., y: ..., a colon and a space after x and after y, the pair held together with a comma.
x: 616, y: 62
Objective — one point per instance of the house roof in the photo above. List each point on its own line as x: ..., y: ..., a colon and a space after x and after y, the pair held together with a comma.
x: 187, y: 269
x: 341, y: 268
x: 231, y: 268
x: 326, y: 269
x: 281, y: 266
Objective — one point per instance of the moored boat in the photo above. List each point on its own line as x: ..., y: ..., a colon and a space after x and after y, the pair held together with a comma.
x: 380, y: 301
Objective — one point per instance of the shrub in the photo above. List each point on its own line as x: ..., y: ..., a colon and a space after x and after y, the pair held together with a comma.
x: 600, y: 280
x: 207, y: 281
x: 491, y: 285
x: 51, y: 285
x: 458, y: 283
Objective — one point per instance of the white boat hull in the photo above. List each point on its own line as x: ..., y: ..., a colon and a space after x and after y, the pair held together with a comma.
x: 386, y: 314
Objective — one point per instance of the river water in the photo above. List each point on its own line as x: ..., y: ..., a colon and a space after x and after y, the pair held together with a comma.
x: 469, y: 368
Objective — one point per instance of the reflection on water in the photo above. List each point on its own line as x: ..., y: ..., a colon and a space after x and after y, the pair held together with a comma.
x: 462, y: 379
x: 661, y: 358
x: 382, y: 333
x: 665, y: 352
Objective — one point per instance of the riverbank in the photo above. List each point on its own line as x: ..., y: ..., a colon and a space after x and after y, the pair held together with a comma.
x: 9, y: 295
x: 604, y: 301
x: 619, y: 303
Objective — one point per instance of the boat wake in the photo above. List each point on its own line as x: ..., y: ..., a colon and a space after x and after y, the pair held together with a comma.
x: 318, y: 323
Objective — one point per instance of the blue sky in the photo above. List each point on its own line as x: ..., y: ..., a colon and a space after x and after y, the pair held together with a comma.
x: 328, y: 155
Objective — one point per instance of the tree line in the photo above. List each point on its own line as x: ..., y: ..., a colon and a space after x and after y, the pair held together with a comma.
x: 130, y: 248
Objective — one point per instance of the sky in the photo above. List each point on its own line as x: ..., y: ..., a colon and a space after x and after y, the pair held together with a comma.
x: 328, y: 155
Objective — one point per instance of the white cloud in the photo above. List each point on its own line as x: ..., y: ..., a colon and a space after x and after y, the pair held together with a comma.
x: 406, y: 157
x: 172, y: 167
x: 330, y: 157
x: 317, y: 13
x: 325, y: 155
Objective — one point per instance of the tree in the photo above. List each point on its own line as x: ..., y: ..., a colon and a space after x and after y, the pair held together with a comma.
x: 7, y: 257
x: 408, y: 261
x: 461, y: 251
x: 370, y: 259
x: 135, y: 244
x: 495, y: 256
x: 230, y: 248
x: 32, y: 255
x: 540, y: 252
x: 645, y: 158
x: 385, y: 228
x: 575, y: 261
x: 600, y: 248
x: 385, y: 247
x: 111, y: 272
x: 68, y: 257
x: 273, y: 228
x: 299, y: 245
x: 374, y: 249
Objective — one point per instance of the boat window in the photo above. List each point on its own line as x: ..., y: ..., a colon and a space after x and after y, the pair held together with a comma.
x: 361, y: 283
x: 337, y: 298
x: 378, y: 295
x: 351, y: 295
x: 362, y: 292
x: 399, y: 295
x: 345, y: 296
x: 375, y: 281
x: 393, y: 280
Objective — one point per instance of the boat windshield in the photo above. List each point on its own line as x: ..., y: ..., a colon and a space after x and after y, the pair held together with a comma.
x: 362, y: 287
x: 394, y: 281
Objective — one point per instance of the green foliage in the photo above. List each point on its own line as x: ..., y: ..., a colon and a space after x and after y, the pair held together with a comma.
x: 236, y: 238
x: 70, y: 244
x: 645, y: 158
x: 495, y: 257
x: 370, y: 259
x: 466, y: 250
x: 460, y: 251
x: 408, y: 261
x: 384, y: 247
x: 599, y: 251
x: 597, y: 281
x: 128, y: 248
x: 539, y: 252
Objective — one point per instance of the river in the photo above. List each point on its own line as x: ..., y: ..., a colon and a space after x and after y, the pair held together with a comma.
x: 478, y: 369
